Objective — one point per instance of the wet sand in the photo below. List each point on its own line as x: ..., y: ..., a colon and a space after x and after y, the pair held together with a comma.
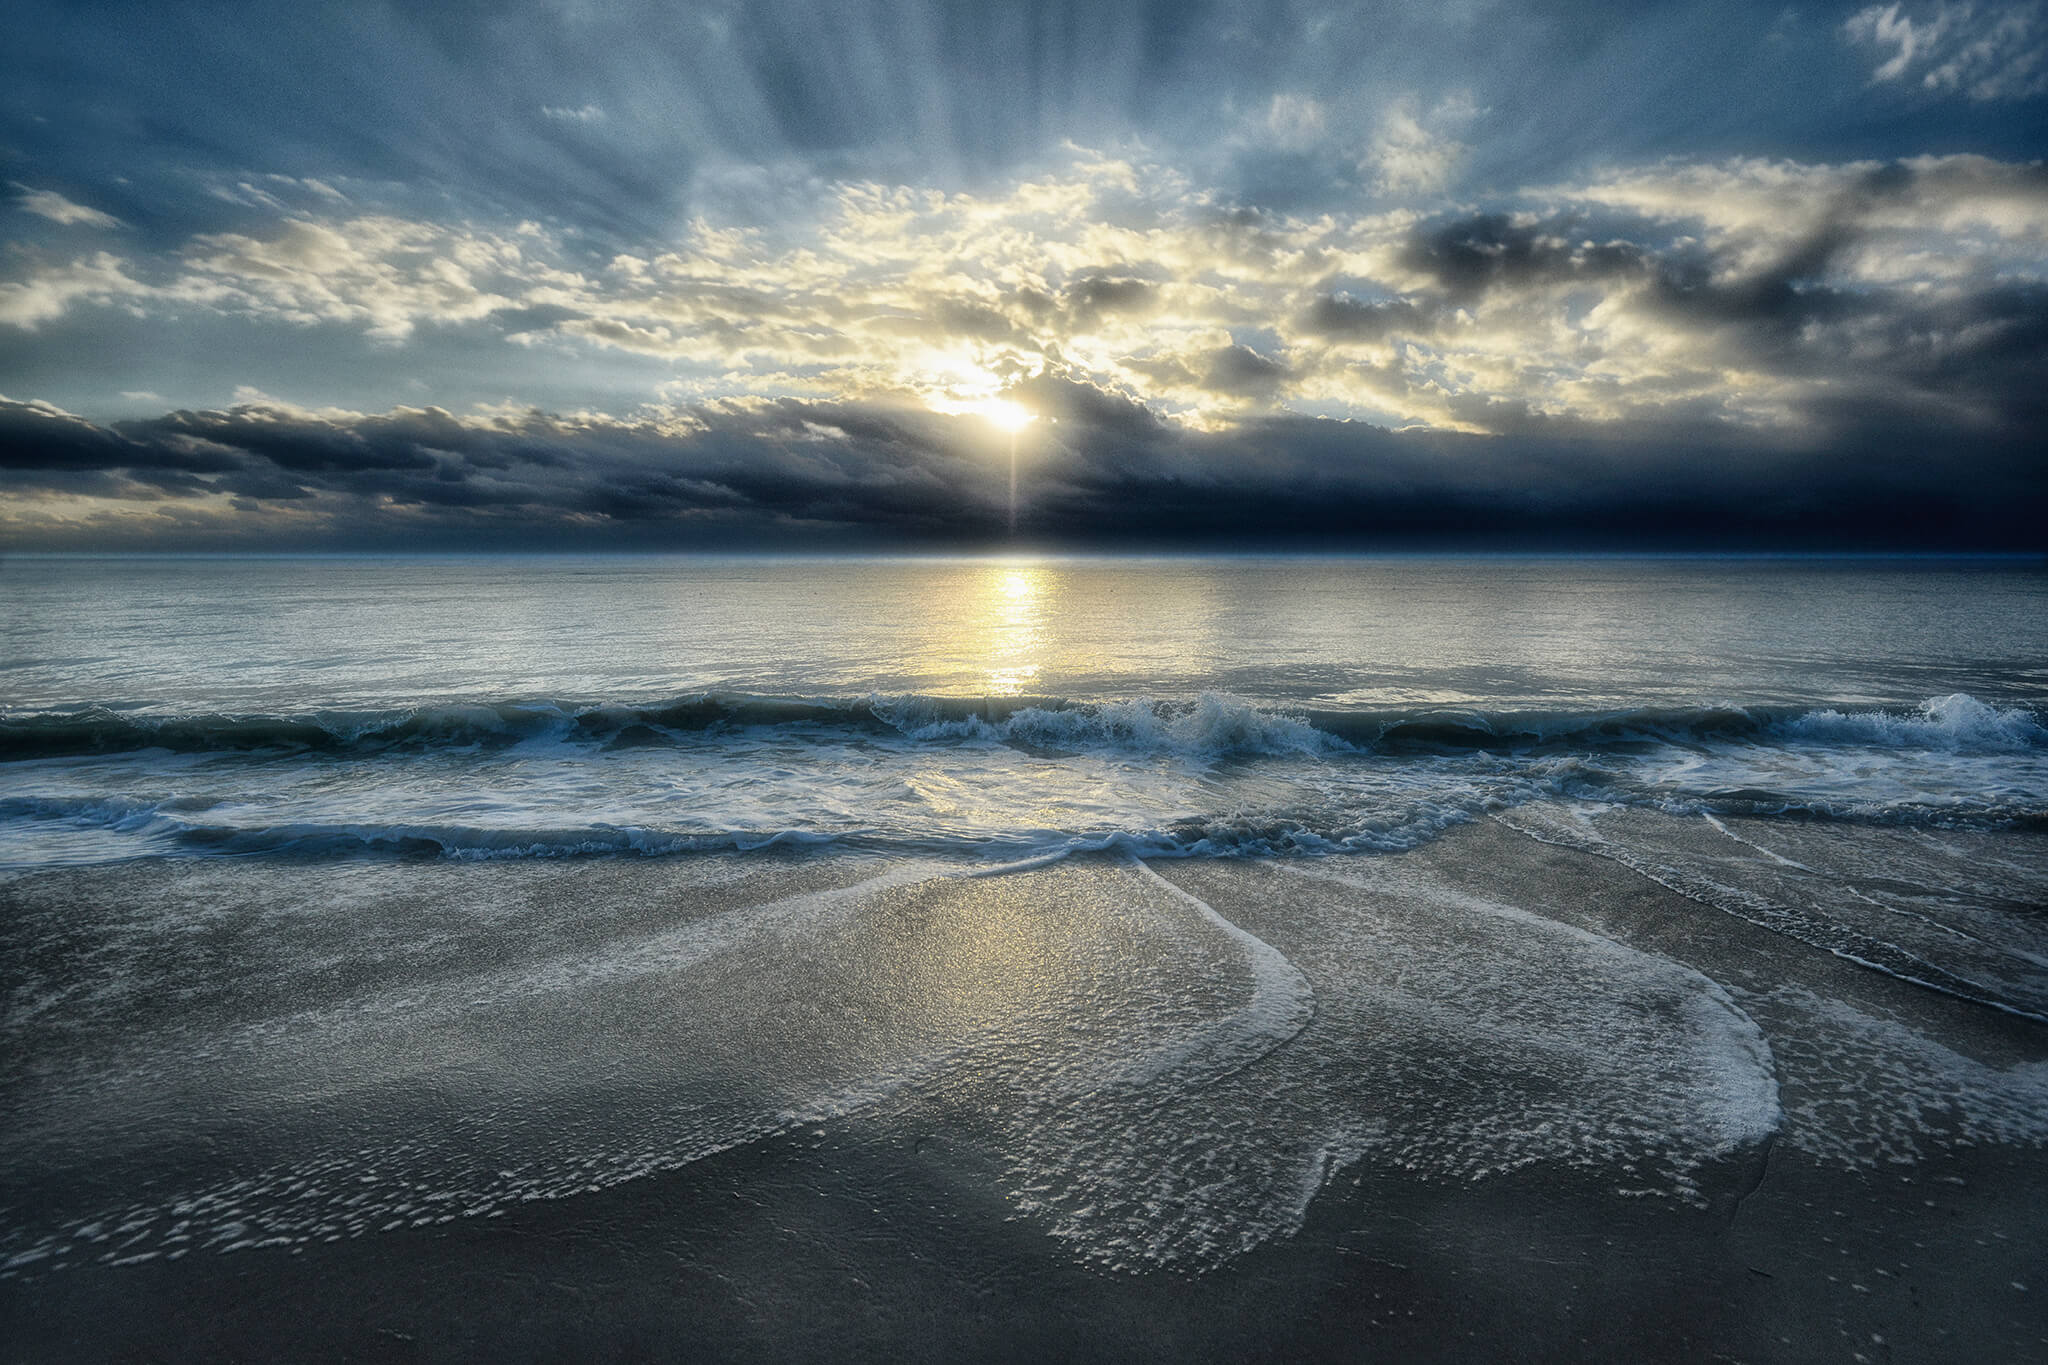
x: 1492, y: 1098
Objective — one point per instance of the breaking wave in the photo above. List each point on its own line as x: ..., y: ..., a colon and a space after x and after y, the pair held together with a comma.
x: 1208, y: 776
x: 1958, y: 723
x: 1210, y: 725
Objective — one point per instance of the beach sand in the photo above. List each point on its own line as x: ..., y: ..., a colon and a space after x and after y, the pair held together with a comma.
x: 1489, y: 1098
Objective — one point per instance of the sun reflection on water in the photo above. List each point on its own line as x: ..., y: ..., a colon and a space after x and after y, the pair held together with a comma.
x: 1010, y: 624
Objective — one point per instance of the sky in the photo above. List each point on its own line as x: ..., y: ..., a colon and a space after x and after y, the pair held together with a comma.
x: 560, y: 275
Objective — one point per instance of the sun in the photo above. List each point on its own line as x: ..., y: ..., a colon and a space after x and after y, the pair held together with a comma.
x: 1007, y: 415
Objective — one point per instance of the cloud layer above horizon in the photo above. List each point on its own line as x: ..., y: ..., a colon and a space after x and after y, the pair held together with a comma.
x: 722, y: 276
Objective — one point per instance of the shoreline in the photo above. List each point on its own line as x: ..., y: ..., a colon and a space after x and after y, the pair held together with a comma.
x: 1898, y: 1195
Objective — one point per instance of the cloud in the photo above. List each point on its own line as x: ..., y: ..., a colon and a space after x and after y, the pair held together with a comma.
x: 1746, y: 293
x: 1106, y: 472
x: 584, y: 113
x: 1414, y: 151
x: 1243, y: 372
x: 55, y: 207
x: 1294, y: 122
x: 382, y: 273
x: 1987, y: 52
x: 50, y: 290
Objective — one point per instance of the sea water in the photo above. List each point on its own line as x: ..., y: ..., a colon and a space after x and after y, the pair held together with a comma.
x: 346, y: 895
x: 511, y: 707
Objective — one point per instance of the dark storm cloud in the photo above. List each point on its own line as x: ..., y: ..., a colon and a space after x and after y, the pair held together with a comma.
x: 35, y: 437
x: 1467, y: 258
x: 1243, y: 372
x: 1339, y: 316
x: 1104, y: 471
x: 533, y: 474
x: 1095, y: 296
x: 1968, y: 367
x: 1470, y: 254
x: 1783, y: 294
x: 1349, y: 485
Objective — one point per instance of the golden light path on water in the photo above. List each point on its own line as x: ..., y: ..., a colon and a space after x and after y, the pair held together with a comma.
x: 999, y: 633
x: 1014, y: 629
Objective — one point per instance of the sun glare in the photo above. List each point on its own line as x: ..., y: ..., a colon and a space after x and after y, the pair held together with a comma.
x: 1007, y: 415
x: 1002, y: 414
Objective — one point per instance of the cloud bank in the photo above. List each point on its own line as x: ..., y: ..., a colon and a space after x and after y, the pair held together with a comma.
x: 1101, y: 472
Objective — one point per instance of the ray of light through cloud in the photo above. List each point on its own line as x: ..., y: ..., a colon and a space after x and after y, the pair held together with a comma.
x: 614, y: 272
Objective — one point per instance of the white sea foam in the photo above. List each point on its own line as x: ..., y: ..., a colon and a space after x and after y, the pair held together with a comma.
x: 1865, y: 1089
x: 1162, y: 1082
x: 1451, y: 1038
x: 1956, y: 722
x: 1281, y: 1004
x: 1211, y: 726
x: 1714, y: 1076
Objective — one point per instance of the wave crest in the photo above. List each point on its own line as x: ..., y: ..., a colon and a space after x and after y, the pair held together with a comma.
x: 1957, y: 722
x: 1211, y: 725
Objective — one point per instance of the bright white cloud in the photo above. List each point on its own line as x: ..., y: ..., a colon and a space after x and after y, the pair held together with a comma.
x: 1678, y: 289
x: 385, y: 274
x: 1987, y: 52
x: 50, y: 291
x: 55, y: 207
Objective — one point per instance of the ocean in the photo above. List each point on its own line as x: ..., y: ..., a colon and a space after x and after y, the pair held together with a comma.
x: 353, y: 899
x: 991, y: 708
